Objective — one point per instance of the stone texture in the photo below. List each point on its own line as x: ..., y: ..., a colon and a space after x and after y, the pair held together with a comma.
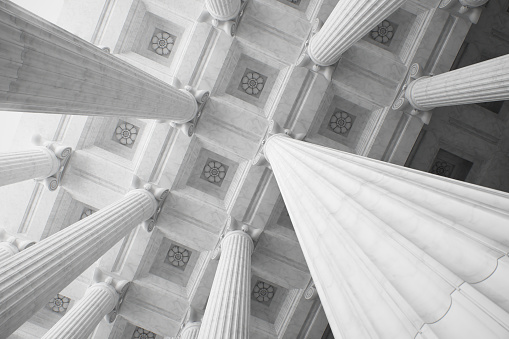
x: 82, y: 319
x: 191, y: 330
x: 228, y: 308
x: 31, y: 278
x: 347, y: 24
x: 49, y: 70
x: 10, y: 245
x: 223, y: 9
x: 39, y: 162
x: 482, y: 82
x: 394, y: 252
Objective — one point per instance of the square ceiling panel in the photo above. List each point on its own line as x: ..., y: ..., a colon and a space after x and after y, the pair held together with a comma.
x: 391, y: 34
x: 158, y: 39
x: 267, y: 299
x: 125, y: 133
x: 252, y: 81
x: 174, y: 262
x: 162, y: 43
x: 212, y: 173
x: 344, y: 121
x: 120, y: 136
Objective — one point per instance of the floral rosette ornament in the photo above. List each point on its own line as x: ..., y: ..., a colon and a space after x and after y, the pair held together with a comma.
x: 162, y: 43
x: 383, y: 32
x: 340, y: 122
x: 252, y: 83
x: 263, y: 292
x: 59, y: 303
x: 214, y: 171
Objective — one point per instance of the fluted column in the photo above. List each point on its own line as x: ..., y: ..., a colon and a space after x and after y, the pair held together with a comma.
x: 39, y: 162
x: 191, y: 330
x: 394, y: 252
x: 81, y: 320
x: 10, y: 245
x: 44, y: 68
x: 482, y: 82
x: 30, y: 278
x: 228, y: 308
x: 348, y: 23
x: 223, y: 10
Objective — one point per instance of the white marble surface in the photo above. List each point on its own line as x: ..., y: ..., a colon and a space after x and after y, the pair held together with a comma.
x: 392, y: 249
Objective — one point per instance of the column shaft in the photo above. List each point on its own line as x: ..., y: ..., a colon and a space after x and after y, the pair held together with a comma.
x: 7, y: 250
x: 191, y: 331
x: 394, y: 252
x: 347, y: 24
x: 82, y: 319
x: 39, y: 162
x: 228, y: 308
x: 11, y: 245
x: 30, y: 278
x: 223, y: 9
x: 44, y: 68
x: 482, y: 82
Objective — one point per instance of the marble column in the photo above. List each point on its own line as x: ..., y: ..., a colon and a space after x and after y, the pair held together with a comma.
x: 43, y: 162
x: 348, y: 23
x: 395, y: 252
x: 482, y: 82
x: 223, y: 10
x: 30, y: 278
x: 228, y: 308
x: 10, y: 245
x: 81, y: 320
x: 191, y: 330
x: 46, y: 69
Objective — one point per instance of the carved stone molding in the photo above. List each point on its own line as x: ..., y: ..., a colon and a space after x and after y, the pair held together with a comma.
x: 63, y: 155
x: 402, y: 102
x: 227, y: 25
x: 160, y: 195
x: 120, y: 286
x: 201, y: 97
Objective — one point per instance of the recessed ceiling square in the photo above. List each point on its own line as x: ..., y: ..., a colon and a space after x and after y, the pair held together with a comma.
x: 174, y: 262
x: 162, y: 43
x: 125, y: 133
x: 344, y: 121
x: 252, y: 83
x: 263, y: 292
x: 341, y: 122
x: 178, y: 256
x: 384, y: 32
x: 214, y: 172
x: 267, y: 299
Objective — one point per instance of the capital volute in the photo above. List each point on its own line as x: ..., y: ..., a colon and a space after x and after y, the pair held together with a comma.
x: 310, y: 293
x: 159, y: 194
x: 274, y: 130
x: 115, y: 285
x: 404, y: 101
x: 16, y: 242
x: 60, y: 156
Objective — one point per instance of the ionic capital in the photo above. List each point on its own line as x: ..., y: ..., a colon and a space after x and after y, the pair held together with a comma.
x: 115, y: 286
x: 59, y: 156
